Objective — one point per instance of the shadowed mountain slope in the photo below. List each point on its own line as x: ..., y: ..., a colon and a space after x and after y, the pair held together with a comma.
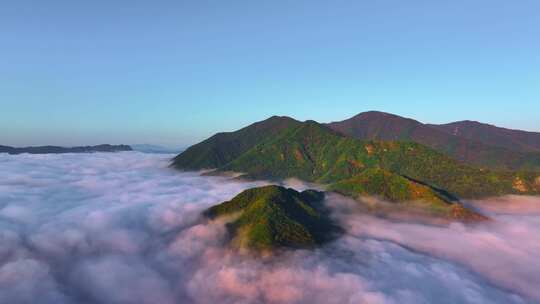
x: 388, y: 127
x: 517, y: 140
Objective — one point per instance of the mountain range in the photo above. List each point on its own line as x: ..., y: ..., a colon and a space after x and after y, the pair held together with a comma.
x: 470, y: 142
x: 57, y: 149
x: 281, y: 147
x: 516, y: 140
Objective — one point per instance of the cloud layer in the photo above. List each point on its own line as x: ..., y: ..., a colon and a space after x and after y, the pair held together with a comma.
x: 123, y: 228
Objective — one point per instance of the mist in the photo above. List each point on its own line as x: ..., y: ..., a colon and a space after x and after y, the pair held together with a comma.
x: 125, y: 228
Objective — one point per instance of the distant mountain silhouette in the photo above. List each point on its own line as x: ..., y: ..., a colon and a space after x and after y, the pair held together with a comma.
x: 148, y: 148
x: 473, y: 143
x: 56, y: 149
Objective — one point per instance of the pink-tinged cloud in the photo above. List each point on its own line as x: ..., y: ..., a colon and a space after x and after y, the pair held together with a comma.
x: 124, y: 228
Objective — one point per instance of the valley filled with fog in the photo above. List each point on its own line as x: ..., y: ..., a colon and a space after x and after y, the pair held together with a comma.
x: 125, y: 228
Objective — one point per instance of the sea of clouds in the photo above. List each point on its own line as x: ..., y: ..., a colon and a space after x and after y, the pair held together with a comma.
x: 124, y: 228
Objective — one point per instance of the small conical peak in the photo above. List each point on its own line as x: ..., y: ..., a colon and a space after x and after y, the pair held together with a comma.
x: 280, y: 118
x: 471, y: 122
x: 377, y: 115
x: 380, y: 113
x: 314, y: 124
x: 274, y: 121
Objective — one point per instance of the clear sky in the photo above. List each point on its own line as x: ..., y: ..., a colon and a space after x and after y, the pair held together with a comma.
x: 175, y: 72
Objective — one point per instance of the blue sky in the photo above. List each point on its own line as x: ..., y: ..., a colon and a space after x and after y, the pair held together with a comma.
x: 175, y: 72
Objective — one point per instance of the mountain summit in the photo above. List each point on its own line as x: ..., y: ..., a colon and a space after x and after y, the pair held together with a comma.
x: 224, y: 147
x: 272, y: 216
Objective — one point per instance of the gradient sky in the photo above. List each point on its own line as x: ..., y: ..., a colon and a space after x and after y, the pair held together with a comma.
x: 175, y: 72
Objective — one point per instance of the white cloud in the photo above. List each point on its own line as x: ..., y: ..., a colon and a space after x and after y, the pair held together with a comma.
x: 123, y: 228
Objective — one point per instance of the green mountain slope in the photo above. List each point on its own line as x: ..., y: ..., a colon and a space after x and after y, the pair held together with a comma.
x: 398, y: 189
x: 222, y: 148
x: 272, y: 216
x: 315, y: 153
